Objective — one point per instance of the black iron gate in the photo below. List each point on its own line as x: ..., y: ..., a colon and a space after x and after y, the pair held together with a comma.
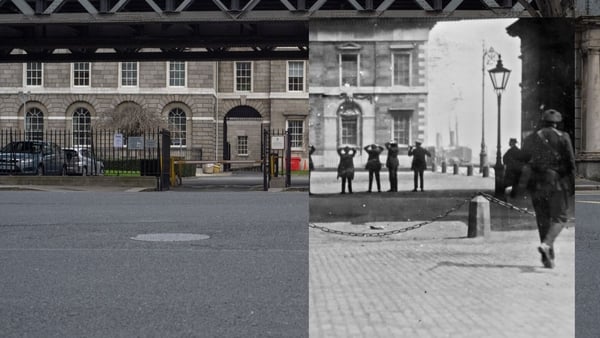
x: 276, y: 156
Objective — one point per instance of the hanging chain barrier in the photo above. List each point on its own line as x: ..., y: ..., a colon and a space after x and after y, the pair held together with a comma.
x: 506, y: 204
x: 418, y: 225
x: 391, y: 232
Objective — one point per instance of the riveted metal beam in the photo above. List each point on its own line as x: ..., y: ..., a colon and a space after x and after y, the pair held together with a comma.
x: 258, y: 25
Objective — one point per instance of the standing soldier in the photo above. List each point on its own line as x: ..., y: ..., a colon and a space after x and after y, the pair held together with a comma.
x: 392, y: 164
x: 346, y: 167
x: 551, y: 162
x: 373, y: 164
x: 513, y: 162
x: 419, y: 163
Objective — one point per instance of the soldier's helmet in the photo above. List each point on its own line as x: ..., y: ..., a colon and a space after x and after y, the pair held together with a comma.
x: 551, y: 115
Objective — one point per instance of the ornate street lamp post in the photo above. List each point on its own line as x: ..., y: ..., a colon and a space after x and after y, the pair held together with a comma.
x: 499, y: 76
x: 488, y: 57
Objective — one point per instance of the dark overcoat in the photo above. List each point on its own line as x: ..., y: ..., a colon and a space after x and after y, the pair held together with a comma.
x: 373, y: 162
x: 392, y: 155
x: 418, y: 153
x: 346, y: 165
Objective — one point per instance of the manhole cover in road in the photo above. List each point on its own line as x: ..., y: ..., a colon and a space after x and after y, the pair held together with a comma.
x: 170, y: 237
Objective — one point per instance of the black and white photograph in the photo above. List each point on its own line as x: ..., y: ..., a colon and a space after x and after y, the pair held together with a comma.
x: 441, y: 200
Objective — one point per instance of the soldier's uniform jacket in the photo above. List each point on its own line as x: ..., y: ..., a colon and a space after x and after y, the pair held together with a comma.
x: 550, y: 159
x: 392, y: 155
x: 373, y: 162
x: 418, y: 162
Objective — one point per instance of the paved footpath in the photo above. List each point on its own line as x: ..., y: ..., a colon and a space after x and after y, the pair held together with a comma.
x: 435, y: 282
x: 325, y: 182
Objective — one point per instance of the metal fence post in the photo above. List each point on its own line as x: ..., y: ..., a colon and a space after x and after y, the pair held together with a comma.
x: 266, y: 160
x: 166, y: 159
x: 288, y: 159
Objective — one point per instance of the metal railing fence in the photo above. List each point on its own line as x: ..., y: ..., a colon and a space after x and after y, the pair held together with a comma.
x: 120, y: 153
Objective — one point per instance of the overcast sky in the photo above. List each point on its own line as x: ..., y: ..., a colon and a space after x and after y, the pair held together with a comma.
x: 455, y: 84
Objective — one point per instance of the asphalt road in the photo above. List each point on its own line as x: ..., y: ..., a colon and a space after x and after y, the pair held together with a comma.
x: 69, y: 266
x: 587, y: 270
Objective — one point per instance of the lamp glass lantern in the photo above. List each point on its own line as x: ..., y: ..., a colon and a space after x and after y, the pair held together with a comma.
x: 499, y: 76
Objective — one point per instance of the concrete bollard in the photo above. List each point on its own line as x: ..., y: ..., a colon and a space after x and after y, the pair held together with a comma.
x: 455, y: 167
x: 470, y: 170
x: 486, y: 171
x: 433, y: 167
x: 479, y: 217
x: 443, y: 167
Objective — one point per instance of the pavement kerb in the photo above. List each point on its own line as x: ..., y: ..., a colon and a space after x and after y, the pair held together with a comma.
x: 76, y: 183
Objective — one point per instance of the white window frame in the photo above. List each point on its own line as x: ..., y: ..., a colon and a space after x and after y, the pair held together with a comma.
x: 287, y: 72
x: 37, y: 133
x: 406, y: 115
x: 185, y: 75
x: 89, y: 70
x: 241, y: 146
x: 86, y: 130
x: 341, y: 68
x: 26, y: 72
x: 235, y: 76
x: 137, y: 75
x: 287, y: 127
x: 410, y: 75
x: 356, y: 130
x: 183, y: 132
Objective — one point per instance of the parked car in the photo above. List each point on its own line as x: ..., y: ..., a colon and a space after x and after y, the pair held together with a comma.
x: 82, y: 161
x: 32, y: 157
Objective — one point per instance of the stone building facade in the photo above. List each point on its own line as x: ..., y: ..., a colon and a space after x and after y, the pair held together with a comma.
x: 368, y: 84
x: 548, y: 76
x: 214, y: 110
x: 587, y: 112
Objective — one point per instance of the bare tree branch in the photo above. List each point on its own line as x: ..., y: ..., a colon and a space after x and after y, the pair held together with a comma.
x: 131, y: 119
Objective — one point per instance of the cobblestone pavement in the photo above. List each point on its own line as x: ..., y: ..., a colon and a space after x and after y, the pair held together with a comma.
x: 435, y: 282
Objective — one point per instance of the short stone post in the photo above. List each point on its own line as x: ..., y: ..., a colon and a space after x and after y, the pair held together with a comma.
x: 479, y: 217
x: 434, y: 167
x: 470, y: 170
x: 486, y: 171
x: 455, y: 167
x: 443, y: 167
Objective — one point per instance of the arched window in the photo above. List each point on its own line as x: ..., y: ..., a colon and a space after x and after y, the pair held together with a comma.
x: 34, y: 124
x: 82, y: 124
x: 177, y: 126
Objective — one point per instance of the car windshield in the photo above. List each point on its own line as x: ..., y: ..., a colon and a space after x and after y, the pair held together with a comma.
x: 21, y: 147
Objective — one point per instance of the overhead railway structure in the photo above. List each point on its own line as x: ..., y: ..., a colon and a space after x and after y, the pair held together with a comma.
x: 150, y: 30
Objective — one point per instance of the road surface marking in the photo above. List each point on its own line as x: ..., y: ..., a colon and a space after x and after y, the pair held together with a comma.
x: 589, y: 202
